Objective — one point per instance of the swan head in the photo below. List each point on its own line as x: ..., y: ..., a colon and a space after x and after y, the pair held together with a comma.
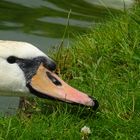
x: 24, y: 68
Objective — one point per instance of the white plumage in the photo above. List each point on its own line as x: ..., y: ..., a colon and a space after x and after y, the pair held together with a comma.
x: 11, y: 76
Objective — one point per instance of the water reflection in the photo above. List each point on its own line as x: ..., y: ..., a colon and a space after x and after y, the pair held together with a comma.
x: 118, y: 4
x: 39, y: 41
x: 40, y: 19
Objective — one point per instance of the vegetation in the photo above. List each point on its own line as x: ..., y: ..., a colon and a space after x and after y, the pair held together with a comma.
x: 105, y: 63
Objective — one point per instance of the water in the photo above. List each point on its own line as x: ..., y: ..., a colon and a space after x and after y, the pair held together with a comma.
x: 116, y: 4
x: 42, y: 23
x: 8, y: 105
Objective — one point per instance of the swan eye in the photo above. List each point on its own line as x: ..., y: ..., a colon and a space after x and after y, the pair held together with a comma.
x: 11, y: 59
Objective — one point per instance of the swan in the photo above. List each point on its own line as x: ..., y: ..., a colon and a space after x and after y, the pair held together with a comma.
x: 26, y: 69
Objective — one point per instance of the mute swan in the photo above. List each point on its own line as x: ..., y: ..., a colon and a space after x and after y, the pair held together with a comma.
x: 26, y: 69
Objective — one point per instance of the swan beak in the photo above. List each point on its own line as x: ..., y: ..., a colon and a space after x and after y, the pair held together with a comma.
x: 47, y: 83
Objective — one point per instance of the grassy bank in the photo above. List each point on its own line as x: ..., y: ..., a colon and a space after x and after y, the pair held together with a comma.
x: 104, y: 63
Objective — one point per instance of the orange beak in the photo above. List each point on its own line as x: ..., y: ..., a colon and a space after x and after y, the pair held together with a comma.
x: 47, y: 83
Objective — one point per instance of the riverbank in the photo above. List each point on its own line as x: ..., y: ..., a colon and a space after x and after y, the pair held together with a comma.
x: 105, y: 63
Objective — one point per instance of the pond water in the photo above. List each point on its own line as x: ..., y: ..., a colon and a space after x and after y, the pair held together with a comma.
x: 43, y: 22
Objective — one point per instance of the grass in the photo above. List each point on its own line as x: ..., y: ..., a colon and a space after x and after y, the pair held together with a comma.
x: 104, y: 63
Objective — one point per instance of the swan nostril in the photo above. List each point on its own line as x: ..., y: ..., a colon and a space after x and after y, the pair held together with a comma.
x: 53, y: 79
